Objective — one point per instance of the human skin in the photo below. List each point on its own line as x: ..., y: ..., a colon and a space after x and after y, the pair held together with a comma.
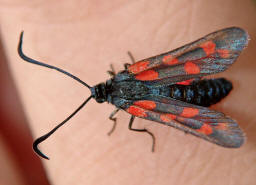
x: 85, y: 37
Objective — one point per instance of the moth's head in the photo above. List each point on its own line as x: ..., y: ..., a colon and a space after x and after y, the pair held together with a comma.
x: 99, y: 92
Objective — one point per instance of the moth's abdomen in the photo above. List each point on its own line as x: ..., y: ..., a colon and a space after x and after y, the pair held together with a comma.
x: 203, y: 92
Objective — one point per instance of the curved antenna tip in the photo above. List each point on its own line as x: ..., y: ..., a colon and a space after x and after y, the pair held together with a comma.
x: 44, y: 137
x: 21, y: 35
x: 36, y: 150
x: 30, y: 60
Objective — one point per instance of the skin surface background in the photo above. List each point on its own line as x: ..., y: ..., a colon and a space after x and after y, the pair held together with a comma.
x: 84, y: 38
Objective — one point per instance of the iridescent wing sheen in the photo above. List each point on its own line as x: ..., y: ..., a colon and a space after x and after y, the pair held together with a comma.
x: 200, y: 121
x: 211, y: 54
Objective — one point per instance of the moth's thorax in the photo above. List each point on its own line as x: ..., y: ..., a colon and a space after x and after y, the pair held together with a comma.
x: 129, y: 90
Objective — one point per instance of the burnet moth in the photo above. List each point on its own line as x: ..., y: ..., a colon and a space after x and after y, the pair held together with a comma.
x: 169, y: 89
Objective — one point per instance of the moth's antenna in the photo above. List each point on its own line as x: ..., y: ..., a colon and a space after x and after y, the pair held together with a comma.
x: 44, y: 137
x: 30, y: 60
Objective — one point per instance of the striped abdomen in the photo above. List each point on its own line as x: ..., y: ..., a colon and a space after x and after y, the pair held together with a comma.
x: 203, y: 92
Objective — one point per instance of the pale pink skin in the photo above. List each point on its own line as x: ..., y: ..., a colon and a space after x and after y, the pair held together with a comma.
x: 85, y: 37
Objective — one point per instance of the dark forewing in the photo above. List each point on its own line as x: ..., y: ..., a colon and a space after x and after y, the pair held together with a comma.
x: 200, y: 121
x: 213, y: 53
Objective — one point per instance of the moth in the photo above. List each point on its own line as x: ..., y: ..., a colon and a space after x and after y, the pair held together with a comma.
x: 169, y: 88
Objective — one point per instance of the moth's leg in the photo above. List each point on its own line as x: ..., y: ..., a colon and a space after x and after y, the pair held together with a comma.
x: 126, y: 65
x: 142, y: 130
x: 131, y: 57
x: 111, y: 72
x: 111, y: 117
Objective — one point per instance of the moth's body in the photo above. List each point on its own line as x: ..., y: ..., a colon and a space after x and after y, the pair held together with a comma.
x: 200, y: 92
x: 168, y: 88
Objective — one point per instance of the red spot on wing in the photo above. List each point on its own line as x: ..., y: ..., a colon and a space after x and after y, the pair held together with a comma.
x: 208, y: 47
x: 138, y: 67
x: 147, y: 75
x: 186, y: 82
x: 221, y: 126
x: 167, y: 117
x: 189, y: 112
x: 205, y: 129
x: 169, y: 60
x: 224, y: 53
x: 136, y: 111
x: 191, y: 68
x: 146, y: 104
